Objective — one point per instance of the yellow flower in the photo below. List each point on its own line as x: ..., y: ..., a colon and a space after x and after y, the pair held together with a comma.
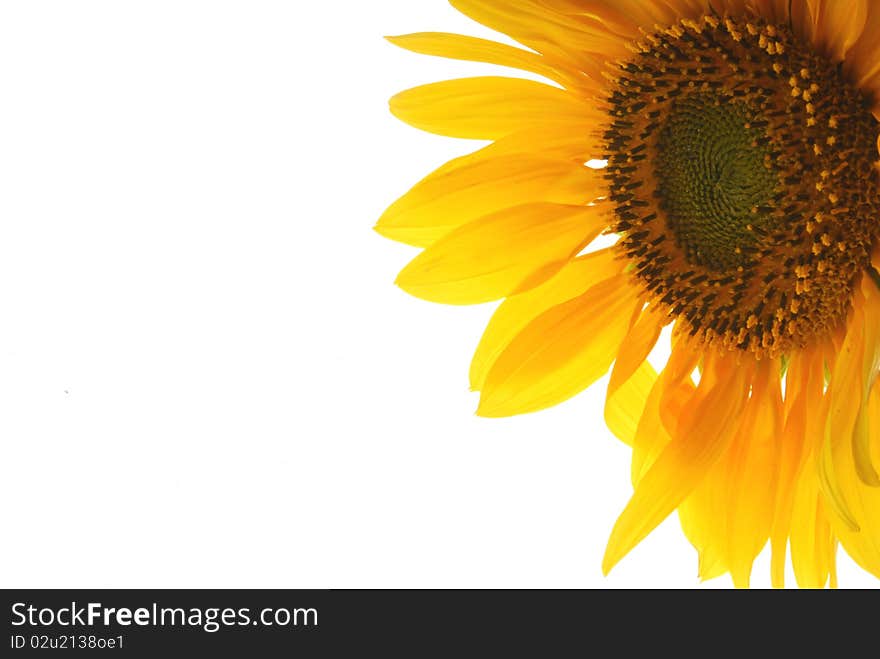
x: 741, y: 184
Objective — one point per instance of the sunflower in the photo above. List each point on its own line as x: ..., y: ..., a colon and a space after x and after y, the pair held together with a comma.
x: 729, y: 148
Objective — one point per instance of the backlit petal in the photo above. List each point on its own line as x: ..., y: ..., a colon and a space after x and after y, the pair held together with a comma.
x: 455, y: 195
x: 705, y: 432
x: 561, y: 352
x: 516, y: 312
x: 485, y: 108
x: 501, y: 254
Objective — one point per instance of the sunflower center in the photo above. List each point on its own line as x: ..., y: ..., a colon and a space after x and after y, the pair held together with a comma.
x: 710, y: 174
x: 742, y: 167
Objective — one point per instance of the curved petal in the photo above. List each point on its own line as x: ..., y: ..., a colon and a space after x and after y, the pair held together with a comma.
x: 863, y: 59
x: 862, y: 545
x: 516, y: 312
x: 812, y: 541
x: 632, y: 376
x: 625, y: 17
x: 838, y: 25
x: 534, y: 24
x: 561, y: 352
x: 625, y: 407
x: 804, y: 425
x: 501, y: 254
x: 453, y: 196
x: 704, y: 525
x: 672, y: 390
x: 473, y: 49
x: 728, y: 517
x: 636, y: 346
x: 579, y: 141
x: 753, y: 468
x: 866, y: 466
x: 845, y: 395
x: 486, y: 108
x: 704, y: 433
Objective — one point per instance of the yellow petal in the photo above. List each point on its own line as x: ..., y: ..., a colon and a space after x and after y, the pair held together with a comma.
x: 455, y: 195
x: 812, y: 541
x: 839, y: 26
x: 703, y: 523
x: 632, y: 377
x: 457, y: 46
x: 625, y: 17
x: 578, y: 141
x: 625, y: 406
x: 512, y: 316
x: 535, y: 25
x: 561, y: 352
x: 865, y: 466
x: 863, y: 60
x: 704, y: 433
x: 753, y: 468
x: 863, y: 545
x: 728, y: 517
x: 805, y: 17
x: 672, y: 390
x: 636, y: 346
x: 854, y: 465
x: 844, y: 396
x: 804, y: 426
x: 486, y: 108
x: 501, y: 254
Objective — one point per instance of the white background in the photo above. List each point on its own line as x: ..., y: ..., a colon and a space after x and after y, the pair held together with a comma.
x: 207, y: 377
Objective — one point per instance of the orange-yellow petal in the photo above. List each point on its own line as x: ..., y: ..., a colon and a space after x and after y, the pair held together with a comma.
x: 673, y: 388
x: 636, y: 346
x: 804, y: 426
x: 864, y: 500
x: 632, y: 376
x: 501, y: 254
x: 753, y: 462
x: 863, y: 59
x: 844, y: 398
x: 535, y: 24
x: 627, y: 18
x: 703, y: 434
x: 458, y: 46
x: 486, y: 108
x: 728, y: 517
x: 626, y: 405
x: 561, y: 352
x: 455, y: 195
x: 812, y: 541
x: 861, y: 445
x: 704, y: 525
x: 512, y: 316
x: 838, y: 25
x: 577, y: 141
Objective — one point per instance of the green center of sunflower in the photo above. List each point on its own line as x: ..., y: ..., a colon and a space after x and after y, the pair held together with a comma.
x: 742, y: 168
x: 711, y: 172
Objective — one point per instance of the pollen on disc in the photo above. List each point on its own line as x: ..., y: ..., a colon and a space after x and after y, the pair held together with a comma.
x: 742, y: 169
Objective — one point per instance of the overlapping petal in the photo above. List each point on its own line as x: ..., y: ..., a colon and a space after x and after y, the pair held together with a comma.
x: 515, y: 313
x: 561, y: 352
x: 474, y: 187
x: 741, y: 461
